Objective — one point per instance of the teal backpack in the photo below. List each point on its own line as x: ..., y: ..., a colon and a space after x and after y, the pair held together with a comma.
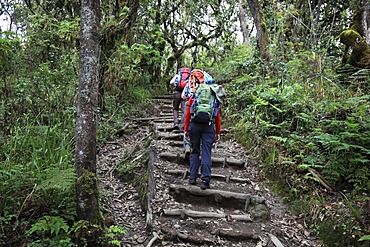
x: 205, y: 106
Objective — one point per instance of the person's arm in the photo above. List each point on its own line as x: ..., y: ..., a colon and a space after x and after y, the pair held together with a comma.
x: 172, y: 82
x: 185, y: 93
x: 218, y: 125
x: 187, y: 117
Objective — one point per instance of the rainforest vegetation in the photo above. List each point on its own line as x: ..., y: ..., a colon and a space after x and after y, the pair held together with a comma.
x: 296, y: 74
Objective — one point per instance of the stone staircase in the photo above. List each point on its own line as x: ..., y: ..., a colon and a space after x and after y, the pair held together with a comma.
x: 231, y: 213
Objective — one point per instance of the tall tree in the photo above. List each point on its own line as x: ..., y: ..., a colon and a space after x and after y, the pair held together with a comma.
x: 263, y: 39
x: 243, y: 22
x: 86, y: 186
x: 367, y: 22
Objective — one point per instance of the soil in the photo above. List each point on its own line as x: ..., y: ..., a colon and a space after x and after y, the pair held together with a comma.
x: 144, y: 189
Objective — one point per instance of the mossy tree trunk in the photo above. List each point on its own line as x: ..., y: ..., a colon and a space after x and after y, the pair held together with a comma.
x: 263, y: 39
x: 86, y: 186
x: 355, y: 38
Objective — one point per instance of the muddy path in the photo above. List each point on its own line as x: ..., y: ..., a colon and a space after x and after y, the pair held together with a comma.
x: 238, y: 209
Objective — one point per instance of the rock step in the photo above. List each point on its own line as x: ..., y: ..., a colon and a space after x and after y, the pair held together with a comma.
x: 163, y: 98
x: 208, y: 232
x: 219, y: 198
x: 179, y: 158
x: 229, y: 178
x: 183, y: 213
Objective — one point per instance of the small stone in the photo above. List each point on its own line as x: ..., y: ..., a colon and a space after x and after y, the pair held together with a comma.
x: 141, y: 240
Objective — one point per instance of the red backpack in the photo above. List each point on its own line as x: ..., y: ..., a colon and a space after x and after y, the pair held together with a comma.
x: 182, y: 79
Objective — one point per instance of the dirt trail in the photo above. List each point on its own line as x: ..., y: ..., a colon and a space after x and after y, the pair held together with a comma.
x: 238, y: 210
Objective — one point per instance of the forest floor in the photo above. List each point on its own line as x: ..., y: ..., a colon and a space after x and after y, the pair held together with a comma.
x: 238, y: 210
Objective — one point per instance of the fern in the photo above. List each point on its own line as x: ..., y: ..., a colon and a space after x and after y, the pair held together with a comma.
x: 49, y: 225
x: 365, y: 238
x: 113, y: 234
x: 279, y: 139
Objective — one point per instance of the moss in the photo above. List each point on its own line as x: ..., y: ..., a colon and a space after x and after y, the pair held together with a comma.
x: 348, y: 37
x: 143, y: 181
x: 88, y: 182
x: 89, y: 231
x: 360, y: 56
x: 354, y: 38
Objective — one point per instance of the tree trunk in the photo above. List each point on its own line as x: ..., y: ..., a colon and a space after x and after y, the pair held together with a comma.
x: 130, y: 20
x: 86, y: 185
x: 263, y: 39
x: 243, y: 22
x: 367, y: 22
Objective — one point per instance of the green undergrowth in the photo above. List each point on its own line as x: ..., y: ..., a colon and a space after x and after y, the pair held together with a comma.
x: 311, y: 134
x: 37, y: 166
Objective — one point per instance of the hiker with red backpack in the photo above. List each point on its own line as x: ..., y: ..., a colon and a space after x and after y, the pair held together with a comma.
x: 179, y: 81
x: 202, y: 124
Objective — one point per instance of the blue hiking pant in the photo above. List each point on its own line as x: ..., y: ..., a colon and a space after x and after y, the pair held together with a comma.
x: 202, y: 136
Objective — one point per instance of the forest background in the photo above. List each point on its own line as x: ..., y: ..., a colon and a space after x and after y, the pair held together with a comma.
x: 298, y: 98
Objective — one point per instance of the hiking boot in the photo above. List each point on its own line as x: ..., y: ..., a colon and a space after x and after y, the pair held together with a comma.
x: 176, y: 125
x: 204, y: 185
x: 192, y: 181
x: 187, y: 154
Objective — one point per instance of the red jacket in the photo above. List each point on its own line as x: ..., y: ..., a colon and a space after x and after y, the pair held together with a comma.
x: 188, y: 116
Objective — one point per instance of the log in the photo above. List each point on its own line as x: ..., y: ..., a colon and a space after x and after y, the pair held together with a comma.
x: 227, y: 178
x: 170, y: 136
x: 151, y: 191
x: 172, y: 234
x: 202, y: 214
x: 155, y: 119
x: 221, y: 198
x: 321, y: 179
x: 168, y: 97
x: 175, y: 143
x: 165, y: 129
x: 195, y: 190
x: 231, y: 233
x: 215, y: 160
x: 166, y: 114
x: 164, y: 120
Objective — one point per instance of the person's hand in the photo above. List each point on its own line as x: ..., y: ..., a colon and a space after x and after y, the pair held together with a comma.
x: 218, y: 137
x: 186, y: 135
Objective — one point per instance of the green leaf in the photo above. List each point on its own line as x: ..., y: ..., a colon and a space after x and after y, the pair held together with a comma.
x: 279, y: 138
x: 365, y: 238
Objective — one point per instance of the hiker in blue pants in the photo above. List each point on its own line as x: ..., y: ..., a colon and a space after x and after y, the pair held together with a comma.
x: 202, y: 134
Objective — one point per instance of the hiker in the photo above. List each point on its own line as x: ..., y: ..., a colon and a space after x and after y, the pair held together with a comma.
x: 202, y: 128
x: 178, y: 82
x: 185, y: 95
